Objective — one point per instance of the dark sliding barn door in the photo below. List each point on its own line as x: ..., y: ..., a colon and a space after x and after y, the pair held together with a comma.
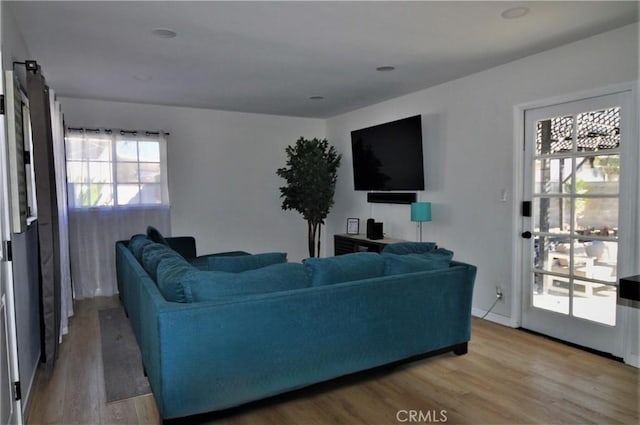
x: 48, y: 228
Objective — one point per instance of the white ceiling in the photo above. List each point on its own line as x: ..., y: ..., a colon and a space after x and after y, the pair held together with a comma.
x: 270, y: 57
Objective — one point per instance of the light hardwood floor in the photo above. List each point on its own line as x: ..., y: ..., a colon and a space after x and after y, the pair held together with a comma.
x: 508, y: 376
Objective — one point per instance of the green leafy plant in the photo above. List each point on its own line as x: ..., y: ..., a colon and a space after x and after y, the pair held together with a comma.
x: 311, y: 174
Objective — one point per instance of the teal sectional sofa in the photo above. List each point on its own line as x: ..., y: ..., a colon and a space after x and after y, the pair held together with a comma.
x: 213, y: 339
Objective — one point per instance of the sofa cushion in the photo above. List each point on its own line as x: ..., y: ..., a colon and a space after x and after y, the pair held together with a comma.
x: 409, y: 247
x: 344, y: 268
x: 412, y: 263
x: 240, y: 263
x: 440, y: 253
x: 155, y: 235
x: 152, y: 254
x: 201, y: 262
x: 173, y: 272
x: 136, y: 243
x: 212, y: 285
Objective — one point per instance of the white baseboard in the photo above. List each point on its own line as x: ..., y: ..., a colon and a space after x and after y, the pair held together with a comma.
x: 632, y: 360
x: 497, y: 318
x: 27, y: 390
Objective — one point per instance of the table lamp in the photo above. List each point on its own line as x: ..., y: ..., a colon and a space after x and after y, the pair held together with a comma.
x: 420, y: 212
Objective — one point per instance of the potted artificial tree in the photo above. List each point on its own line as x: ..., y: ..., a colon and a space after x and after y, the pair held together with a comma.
x: 311, y: 175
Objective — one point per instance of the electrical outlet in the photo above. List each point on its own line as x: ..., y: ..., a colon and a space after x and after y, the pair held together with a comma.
x: 499, y: 293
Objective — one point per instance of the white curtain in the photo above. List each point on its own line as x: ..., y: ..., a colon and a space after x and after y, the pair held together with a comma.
x: 57, y: 130
x: 108, y: 203
x: 93, y: 234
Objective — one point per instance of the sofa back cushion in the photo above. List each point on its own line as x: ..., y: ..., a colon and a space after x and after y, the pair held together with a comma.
x: 412, y: 263
x: 201, y: 262
x: 173, y: 272
x: 212, y: 285
x: 137, y: 243
x: 409, y: 247
x: 152, y: 254
x: 344, y: 268
x: 241, y: 263
x: 180, y: 282
x: 155, y: 236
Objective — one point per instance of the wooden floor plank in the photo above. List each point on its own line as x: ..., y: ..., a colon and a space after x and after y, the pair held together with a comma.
x: 146, y: 409
x: 508, y: 376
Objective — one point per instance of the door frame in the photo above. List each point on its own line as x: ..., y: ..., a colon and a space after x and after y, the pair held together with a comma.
x: 517, y: 273
x: 6, y: 267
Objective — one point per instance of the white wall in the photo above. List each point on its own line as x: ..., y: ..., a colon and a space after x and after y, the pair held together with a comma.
x: 468, y: 137
x: 222, y: 182
x: 13, y: 45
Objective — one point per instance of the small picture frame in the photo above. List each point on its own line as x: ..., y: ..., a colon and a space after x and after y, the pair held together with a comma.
x: 353, y: 226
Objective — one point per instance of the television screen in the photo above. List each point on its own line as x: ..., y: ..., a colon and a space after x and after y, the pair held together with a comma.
x: 389, y: 156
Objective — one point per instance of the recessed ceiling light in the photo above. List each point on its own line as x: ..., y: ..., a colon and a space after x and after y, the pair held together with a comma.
x: 316, y: 97
x: 515, y: 12
x: 385, y: 68
x: 164, y: 33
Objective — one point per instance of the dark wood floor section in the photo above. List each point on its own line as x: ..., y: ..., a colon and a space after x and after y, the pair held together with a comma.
x: 508, y: 377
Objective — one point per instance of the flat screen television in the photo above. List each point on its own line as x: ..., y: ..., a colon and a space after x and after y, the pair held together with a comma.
x: 389, y: 156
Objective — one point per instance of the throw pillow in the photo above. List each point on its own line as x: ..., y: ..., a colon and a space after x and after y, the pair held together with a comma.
x: 240, y: 263
x: 137, y: 243
x: 409, y: 247
x: 212, y: 285
x: 173, y: 275
x: 412, y: 263
x: 155, y: 235
x: 152, y: 254
x: 344, y: 268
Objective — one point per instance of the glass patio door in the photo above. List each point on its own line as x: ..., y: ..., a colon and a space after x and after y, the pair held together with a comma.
x: 572, y: 231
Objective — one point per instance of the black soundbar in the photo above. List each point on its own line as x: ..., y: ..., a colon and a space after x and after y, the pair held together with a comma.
x: 391, y: 197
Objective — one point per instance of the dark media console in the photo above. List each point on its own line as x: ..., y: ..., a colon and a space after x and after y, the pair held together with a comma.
x: 348, y: 244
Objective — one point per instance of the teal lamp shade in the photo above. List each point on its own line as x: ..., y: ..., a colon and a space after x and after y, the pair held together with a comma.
x: 421, y: 211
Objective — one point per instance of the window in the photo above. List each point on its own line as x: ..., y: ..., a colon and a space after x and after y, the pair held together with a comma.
x: 105, y: 169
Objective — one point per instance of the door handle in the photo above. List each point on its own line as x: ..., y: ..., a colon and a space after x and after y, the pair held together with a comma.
x: 526, y: 235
